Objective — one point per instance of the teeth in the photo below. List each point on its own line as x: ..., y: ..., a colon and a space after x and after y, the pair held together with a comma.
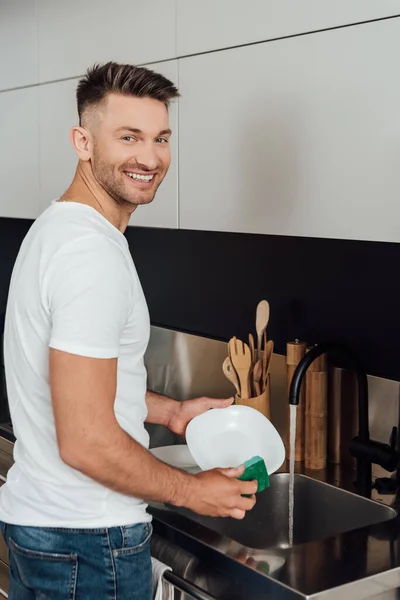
x: 140, y: 177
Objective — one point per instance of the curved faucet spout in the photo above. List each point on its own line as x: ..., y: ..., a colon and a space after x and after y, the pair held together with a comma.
x: 342, y: 351
x: 365, y: 450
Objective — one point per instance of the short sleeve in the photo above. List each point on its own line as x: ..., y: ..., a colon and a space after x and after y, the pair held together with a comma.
x: 90, y: 294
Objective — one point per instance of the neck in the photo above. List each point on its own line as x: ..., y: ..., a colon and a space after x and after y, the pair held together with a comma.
x: 86, y: 190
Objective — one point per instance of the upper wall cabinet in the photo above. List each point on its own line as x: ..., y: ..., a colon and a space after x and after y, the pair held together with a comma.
x: 73, y: 35
x: 294, y: 137
x: 18, y: 44
x: 163, y: 211
x: 204, y: 25
x: 19, y: 167
x: 57, y: 114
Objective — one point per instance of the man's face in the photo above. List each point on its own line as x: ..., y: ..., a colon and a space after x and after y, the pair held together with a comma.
x: 131, y: 152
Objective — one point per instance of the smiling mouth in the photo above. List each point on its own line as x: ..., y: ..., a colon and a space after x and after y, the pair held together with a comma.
x: 142, y: 178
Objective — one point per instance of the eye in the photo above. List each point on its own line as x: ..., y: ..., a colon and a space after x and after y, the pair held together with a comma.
x: 129, y: 138
x: 161, y: 140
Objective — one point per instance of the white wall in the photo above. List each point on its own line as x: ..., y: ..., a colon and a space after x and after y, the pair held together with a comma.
x: 296, y: 136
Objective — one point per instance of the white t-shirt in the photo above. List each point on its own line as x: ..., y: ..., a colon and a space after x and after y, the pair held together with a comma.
x: 74, y: 288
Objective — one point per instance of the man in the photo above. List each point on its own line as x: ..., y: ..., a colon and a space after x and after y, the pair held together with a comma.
x: 73, y: 509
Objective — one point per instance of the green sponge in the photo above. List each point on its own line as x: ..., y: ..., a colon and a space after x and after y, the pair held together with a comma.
x: 255, y: 468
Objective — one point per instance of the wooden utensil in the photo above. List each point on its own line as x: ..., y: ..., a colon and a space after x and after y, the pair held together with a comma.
x: 257, y: 376
x: 230, y: 373
x: 262, y: 318
x: 268, y: 352
x: 241, y: 360
x: 263, y: 355
x: 252, y: 349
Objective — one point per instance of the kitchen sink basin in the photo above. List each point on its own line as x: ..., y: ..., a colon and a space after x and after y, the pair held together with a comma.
x: 320, y: 511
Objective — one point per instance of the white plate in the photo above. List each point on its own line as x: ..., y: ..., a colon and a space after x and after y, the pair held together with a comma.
x: 226, y: 437
x: 177, y: 456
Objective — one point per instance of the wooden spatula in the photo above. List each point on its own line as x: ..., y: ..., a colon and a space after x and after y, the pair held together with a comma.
x: 262, y: 318
x: 241, y: 360
x: 230, y: 373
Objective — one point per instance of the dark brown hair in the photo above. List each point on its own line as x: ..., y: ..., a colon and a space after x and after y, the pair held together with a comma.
x: 129, y: 80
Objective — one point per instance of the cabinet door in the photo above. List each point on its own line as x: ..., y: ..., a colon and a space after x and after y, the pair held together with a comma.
x: 204, y: 25
x: 19, y: 143
x: 73, y: 35
x: 163, y: 211
x: 58, y: 161
x: 294, y: 137
x: 18, y: 44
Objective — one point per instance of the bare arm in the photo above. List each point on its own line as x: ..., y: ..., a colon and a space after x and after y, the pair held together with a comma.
x: 91, y: 441
x: 160, y: 408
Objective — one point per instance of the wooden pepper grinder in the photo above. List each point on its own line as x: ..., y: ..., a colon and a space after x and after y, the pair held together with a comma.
x: 294, y: 353
x: 317, y: 414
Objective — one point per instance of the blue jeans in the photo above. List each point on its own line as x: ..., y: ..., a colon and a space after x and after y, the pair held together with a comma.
x: 79, y: 564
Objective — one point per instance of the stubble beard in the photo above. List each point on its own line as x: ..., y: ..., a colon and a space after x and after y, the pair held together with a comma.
x: 112, y: 182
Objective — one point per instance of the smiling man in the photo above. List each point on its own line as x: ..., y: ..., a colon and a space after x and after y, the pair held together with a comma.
x: 73, y: 509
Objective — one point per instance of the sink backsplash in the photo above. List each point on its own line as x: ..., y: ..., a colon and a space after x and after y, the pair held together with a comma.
x: 184, y: 366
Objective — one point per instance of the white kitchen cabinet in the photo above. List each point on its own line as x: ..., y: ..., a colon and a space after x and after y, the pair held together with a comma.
x: 163, y: 211
x: 74, y: 35
x: 58, y: 161
x: 18, y: 44
x: 19, y: 167
x: 204, y: 25
x: 294, y: 137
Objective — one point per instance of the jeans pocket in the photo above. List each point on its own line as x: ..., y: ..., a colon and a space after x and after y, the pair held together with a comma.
x: 135, y: 538
x: 132, y: 563
x: 52, y: 574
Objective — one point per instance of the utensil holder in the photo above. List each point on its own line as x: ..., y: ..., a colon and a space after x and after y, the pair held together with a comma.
x: 262, y: 403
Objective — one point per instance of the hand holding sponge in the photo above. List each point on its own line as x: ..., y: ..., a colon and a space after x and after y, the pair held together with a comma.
x: 255, y: 469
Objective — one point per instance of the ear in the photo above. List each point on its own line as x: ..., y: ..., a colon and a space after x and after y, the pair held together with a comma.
x: 82, y: 142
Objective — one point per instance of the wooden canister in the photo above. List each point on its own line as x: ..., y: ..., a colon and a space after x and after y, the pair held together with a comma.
x: 294, y: 353
x: 316, y: 445
x: 262, y: 403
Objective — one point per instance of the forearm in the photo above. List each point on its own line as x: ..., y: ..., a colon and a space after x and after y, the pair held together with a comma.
x: 160, y: 409
x: 118, y: 462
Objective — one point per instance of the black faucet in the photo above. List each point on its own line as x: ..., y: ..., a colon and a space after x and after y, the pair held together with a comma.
x: 365, y: 450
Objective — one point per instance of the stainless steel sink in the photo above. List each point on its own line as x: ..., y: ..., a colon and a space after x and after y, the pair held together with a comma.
x: 320, y: 511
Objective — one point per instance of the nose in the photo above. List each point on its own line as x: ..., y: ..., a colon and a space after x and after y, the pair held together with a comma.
x: 146, y: 155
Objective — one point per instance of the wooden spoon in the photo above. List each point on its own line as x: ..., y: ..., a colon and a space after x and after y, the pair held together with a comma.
x: 262, y: 318
x: 241, y: 360
x: 231, y: 374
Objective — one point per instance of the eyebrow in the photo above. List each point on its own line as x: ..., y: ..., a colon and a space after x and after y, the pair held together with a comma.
x: 140, y: 132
